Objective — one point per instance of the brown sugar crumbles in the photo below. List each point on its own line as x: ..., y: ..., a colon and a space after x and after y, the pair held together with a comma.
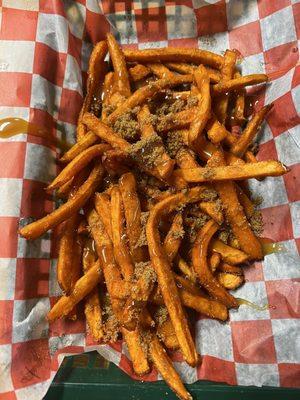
x: 127, y: 126
x: 173, y: 143
x: 256, y: 222
x: 147, y: 151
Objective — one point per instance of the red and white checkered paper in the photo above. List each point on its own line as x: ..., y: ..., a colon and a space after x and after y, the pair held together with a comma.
x: 44, y: 52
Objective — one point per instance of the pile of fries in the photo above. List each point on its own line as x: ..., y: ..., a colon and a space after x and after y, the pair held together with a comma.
x: 157, y: 217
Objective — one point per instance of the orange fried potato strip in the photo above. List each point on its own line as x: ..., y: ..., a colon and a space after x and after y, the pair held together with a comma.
x: 163, y: 270
x: 92, y: 306
x: 121, y: 76
x: 229, y: 254
x: 132, y: 210
x: 86, y: 141
x: 175, y: 54
x: 233, y: 172
x: 165, y: 367
x: 227, y: 71
x: 166, y: 165
x: 200, y: 265
x: 230, y: 281
x: 174, y: 237
x: 245, y: 139
x: 96, y: 71
x: 166, y: 333
x: 67, y: 269
x: 204, y: 105
x: 81, y: 289
x: 77, y: 164
x: 138, y: 72
x: 141, y: 95
x: 112, y: 275
x: 238, y: 83
x: 37, y: 228
x: 235, y: 214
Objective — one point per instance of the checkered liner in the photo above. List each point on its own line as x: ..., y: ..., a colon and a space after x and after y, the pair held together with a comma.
x: 44, y: 52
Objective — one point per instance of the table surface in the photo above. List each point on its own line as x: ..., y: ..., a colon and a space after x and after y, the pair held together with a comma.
x: 90, y: 376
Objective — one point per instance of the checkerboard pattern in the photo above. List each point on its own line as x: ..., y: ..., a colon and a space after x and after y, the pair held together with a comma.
x: 43, y: 68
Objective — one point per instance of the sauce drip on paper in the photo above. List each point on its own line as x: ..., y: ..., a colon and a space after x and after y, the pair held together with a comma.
x: 14, y: 126
x: 252, y: 305
x: 269, y: 247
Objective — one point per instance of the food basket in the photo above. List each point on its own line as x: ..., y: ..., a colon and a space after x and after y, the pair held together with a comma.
x: 43, y: 70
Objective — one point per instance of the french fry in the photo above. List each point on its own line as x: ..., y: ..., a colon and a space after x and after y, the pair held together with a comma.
x: 67, y: 270
x: 132, y: 210
x: 106, y: 93
x: 199, y: 303
x: 186, y: 270
x: 165, y: 367
x: 96, y: 70
x: 250, y: 157
x: 184, y: 68
x: 238, y: 83
x: 200, y: 265
x: 122, y: 256
x: 179, y: 120
x: 205, y: 148
x: 183, y: 282
x: 77, y: 164
x: 141, y: 95
x: 245, y: 202
x: 245, y: 139
x: 212, y: 209
x: 184, y: 95
x: 185, y: 158
x: 138, y: 357
x: 216, y: 132
x: 105, y: 251
x: 104, y: 132
x: 204, y: 105
x: 92, y: 306
x: 162, y: 267
x: 176, y: 54
x: 139, y: 72
x: 231, y: 269
x: 76, y: 272
x: 37, y: 228
x: 235, y: 214
x: 177, y: 182
x: 174, y: 237
x: 214, y: 261
x: 227, y: 71
x: 102, y: 205
x: 181, y: 67
x: 115, y: 98
x: 230, y: 281
x: 121, y: 251
x: 142, y: 289
x: 233, y: 172
x: 165, y: 331
x: 85, y: 142
x: 81, y: 289
x: 238, y: 112
x: 65, y: 189
x: 160, y: 70
x: 209, y: 307
x: 228, y: 253
x: 112, y: 274
x: 121, y: 74
x: 114, y: 161
x: 165, y: 166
